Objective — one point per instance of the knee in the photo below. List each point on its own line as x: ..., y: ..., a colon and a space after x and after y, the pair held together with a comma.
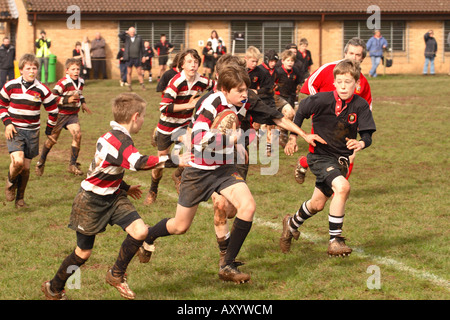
x: 342, y: 189
x: 18, y: 164
x: 83, y: 254
x: 315, y: 206
x: 140, y: 232
x: 247, y: 209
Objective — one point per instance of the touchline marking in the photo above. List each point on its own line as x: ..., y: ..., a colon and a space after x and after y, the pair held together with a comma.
x: 424, y: 275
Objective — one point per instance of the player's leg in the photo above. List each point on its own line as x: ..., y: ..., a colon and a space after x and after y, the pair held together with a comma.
x: 240, y: 197
x: 140, y: 74
x: 164, y: 143
x: 341, y: 189
x: 291, y: 223
x: 54, y: 289
x: 223, y: 210
x: 48, y: 145
x: 75, y: 131
x: 15, y: 168
x: 129, y: 76
x: 22, y: 181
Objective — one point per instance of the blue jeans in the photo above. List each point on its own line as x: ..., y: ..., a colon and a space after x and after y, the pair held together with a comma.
x: 375, y: 62
x: 425, y: 66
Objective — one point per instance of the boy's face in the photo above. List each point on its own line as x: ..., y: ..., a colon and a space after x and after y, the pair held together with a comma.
x: 29, y: 72
x: 272, y: 64
x: 302, y: 47
x: 288, y: 63
x: 345, y: 85
x: 354, y: 53
x: 73, y: 71
x: 251, y: 63
x: 146, y: 44
x: 237, y: 95
x: 190, y: 65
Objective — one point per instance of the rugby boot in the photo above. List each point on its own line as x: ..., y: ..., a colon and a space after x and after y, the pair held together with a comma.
x: 151, y: 197
x: 39, y: 169
x: 300, y: 172
x: 222, y: 255
x: 145, y: 252
x: 121, y: 284
x: 10, y: 189
x: 287, y: 235
x: 338, y: 248
x: 50, y: 295
x: 230, y: 272
x: 75, y: 169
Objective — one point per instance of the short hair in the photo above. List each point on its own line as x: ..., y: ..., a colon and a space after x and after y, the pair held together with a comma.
x: 232, y: 76
x: 356, y: 42
x: 228, y: 59
x: 28, y: 58
x: 72, y: 61
x: 253, y: 52
x: 125, y: 105
x: 348, y: 66
x: 304, y: 41
x: 288, y: 54
x: 291, y: 46
x: 183, y: 55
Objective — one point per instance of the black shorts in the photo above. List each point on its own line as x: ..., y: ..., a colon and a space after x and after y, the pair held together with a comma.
x: 26, y: 141
x: 134, y: 62
x: 63, y: 121
x: 163, y: 60
x: 91, y: 213
x: 326, y: 169
x: 198, y: 185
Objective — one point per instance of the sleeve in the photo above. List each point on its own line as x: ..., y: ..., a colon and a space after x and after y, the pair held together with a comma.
x: 4, y: 104
x: 170, y: 94
x: 260, y: 112
x: 304, y: 111
x: 50, y: 105
x: 312, y: 84
x: 135, y: 161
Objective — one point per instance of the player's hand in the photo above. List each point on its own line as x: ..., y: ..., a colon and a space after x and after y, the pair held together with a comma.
x: 10, y: 130
x: 355, y: 145
x: 312, y: 138
x: 84, y: 108
x: 135, y: 192
x: 291, y: 147
x: 74, y: 99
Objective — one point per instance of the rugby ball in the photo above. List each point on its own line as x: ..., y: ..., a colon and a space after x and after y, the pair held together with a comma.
x: 224, y: 121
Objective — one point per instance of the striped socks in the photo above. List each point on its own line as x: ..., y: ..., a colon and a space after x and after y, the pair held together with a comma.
x: 299, y: 217
x: 335, y: 226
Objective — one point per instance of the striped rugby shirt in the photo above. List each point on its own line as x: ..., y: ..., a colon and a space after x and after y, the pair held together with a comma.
x: 179, y: 91
x: 211, y: 149
x: 22, y: 107
x: 115, y: 153
x: 64, y: 89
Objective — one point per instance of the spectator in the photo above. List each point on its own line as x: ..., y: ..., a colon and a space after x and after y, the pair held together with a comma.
x: 86, y: 47
x: 304, y: 55
x: 133, y: 54
x: 214, y: 38
x: 163, y: 48
x: 7, y: 57
x: 98, y: 54
x: 122, y: 67
x: 43, y: 45
x: 78, y: 53
x: 430, y: 51
x: 375, y: 46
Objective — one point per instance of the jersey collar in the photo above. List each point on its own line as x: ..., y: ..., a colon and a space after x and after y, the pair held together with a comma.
x: 341, y: 105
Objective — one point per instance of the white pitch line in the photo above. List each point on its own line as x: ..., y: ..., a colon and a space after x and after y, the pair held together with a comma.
x: 424, y: 275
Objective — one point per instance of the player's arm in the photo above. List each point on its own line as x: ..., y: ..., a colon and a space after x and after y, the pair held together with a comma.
x: 364, y: 142
x: 10, y: 129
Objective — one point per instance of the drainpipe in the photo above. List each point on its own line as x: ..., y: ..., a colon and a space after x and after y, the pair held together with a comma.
x: 320, y: 38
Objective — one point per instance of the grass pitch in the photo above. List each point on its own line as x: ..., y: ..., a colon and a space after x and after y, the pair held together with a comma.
x: 397, y: 217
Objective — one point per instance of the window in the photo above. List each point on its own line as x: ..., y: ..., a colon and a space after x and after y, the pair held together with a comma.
x: 447, y: 36
x: 263, y: 35
x: 151, y: 31
x: 392, y: 31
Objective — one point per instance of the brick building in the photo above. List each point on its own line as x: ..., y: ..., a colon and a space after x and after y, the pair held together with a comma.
x: 266, y: 24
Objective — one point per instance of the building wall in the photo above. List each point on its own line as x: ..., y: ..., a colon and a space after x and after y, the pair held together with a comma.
x: 63, y: 42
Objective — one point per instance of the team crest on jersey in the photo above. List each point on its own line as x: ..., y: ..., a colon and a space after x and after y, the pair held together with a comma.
x: 36, y: 97
x: 352, y: 118
x: 237, y: 176
x: 255, y: 79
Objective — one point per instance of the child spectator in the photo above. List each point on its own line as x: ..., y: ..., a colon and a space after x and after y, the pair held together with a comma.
x: 304, y: 55
x: 69, y: 93
x: 122, y: 67
x: 102, y: 199
x: 147, y: 58
x: 20, y: 104
x: 163, y: 48
x: 208, y: 60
